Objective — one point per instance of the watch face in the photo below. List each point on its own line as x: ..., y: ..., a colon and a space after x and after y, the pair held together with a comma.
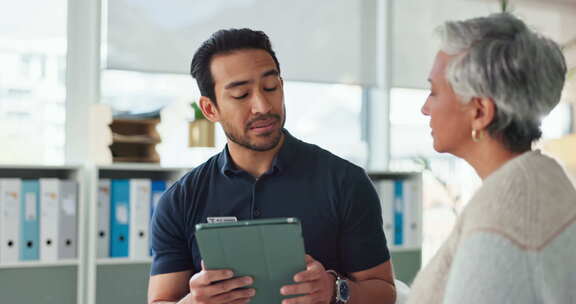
x: 343, y: 290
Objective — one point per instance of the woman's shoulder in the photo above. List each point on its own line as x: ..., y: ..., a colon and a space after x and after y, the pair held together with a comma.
x: 528, y: 201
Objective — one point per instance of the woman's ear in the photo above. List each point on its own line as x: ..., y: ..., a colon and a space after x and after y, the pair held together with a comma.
x: 209, y: 109
x: 483, y: 112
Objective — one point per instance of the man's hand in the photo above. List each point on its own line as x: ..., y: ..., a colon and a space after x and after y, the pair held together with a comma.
x: 205, y: 290
x: 314, y: 283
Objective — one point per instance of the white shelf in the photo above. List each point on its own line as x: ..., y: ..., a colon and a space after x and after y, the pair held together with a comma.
x: 39, y: 264
x: 38, y: 167
x: 403, y: 249
x: 139, y: 167
x: 122, y: 261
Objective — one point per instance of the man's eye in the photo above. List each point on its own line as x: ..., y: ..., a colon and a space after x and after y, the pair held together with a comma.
x: 270, y: 89
x: 240, y: 97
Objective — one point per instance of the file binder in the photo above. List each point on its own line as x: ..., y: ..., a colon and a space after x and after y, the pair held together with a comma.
x: 10, y: 220
x: 412, y: 211
x: 158, y: 188
x: 386, y: 191
x: 67, y: 231
x: 398, y: 213
x: 103, y: 218
x: 49, y: 218
x: 119, y: 217
x: 140, y: 196
x: 29, y: 221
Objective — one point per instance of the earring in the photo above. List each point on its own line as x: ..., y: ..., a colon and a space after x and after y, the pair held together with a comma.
x: 477, y: 135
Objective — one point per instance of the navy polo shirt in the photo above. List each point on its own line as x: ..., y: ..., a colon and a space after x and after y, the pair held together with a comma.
x: 334, y: 199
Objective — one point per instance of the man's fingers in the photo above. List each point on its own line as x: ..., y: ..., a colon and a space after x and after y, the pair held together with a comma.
x: 314, y: 271
x: 241, y: 301
x: 228, y: 285
x: 299, y: 289
x: 206, y: 277
x: 236, y: 296
x: 309, y: 259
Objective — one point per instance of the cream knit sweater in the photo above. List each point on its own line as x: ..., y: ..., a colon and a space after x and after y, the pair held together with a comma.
x: 515, y: 242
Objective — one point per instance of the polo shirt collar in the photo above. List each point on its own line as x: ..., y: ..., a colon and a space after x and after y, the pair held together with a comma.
x: 280, y: 163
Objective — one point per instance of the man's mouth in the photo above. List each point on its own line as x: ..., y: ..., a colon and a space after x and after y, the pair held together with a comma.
x: 263, y: 126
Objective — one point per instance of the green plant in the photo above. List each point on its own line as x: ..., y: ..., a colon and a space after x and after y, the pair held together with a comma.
x: 504, y: 6
x: 198, y: 115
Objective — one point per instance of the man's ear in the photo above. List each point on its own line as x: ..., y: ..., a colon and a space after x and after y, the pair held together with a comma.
x: 483, y: 111
x: 209, y: 109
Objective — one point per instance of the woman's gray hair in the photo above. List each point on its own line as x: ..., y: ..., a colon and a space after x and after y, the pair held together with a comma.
x: 499, y: 57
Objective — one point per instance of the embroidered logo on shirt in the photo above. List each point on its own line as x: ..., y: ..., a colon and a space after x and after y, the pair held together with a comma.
x: 222, y: 219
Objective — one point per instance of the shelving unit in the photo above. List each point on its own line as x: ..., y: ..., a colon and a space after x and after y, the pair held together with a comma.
x: 118, y: 280
x: 407, y: 259
x: 93, y: 280
x: 57, y: 282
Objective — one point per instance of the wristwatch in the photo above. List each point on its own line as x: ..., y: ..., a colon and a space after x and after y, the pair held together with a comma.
x: 341, y: 290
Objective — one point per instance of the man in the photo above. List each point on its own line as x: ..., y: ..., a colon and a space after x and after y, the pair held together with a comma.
x: 264, y: 172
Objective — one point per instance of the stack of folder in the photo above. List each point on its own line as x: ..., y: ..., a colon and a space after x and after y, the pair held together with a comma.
x: 401, y: 202
x: 125, y: 207
x: 38, y: 219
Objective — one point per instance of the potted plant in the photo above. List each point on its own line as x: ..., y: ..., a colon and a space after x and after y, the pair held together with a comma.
x: 200, y: 130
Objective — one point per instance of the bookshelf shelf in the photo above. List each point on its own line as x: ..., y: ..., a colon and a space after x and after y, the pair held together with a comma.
x: 40, y: 264
x: 122, y: 261
x: 105, y: 274
x: 65, y: 275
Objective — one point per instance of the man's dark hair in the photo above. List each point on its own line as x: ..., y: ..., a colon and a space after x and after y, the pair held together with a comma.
x: 225, y: 41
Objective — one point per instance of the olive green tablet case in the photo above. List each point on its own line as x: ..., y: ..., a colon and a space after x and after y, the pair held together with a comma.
x: 269, y: 250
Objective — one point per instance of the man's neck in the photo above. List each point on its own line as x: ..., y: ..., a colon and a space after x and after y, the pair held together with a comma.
x: 488, y: 156
x: 254, y: 162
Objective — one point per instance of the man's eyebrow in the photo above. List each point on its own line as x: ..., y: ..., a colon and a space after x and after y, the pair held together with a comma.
x: 273, y: 72
x: 236, y: 84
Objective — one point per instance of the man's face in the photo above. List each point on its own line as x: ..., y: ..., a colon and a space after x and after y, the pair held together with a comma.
x: 450, y: 125
x: 250, y: 98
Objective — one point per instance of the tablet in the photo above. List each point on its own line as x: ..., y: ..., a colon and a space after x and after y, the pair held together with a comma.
x: 269, y: 250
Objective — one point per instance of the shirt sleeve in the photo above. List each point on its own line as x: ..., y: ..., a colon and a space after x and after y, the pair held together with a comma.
x: 362, y: 242
x: 168, y: 233
x: 489, y: 268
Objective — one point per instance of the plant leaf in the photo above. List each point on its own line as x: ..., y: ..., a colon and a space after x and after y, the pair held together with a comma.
x: 197, y: 112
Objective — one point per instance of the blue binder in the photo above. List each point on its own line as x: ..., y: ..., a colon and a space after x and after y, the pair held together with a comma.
x: 398, y: 213
x: 29, y: 220
x: 119, y: 217
x: 158, y: 188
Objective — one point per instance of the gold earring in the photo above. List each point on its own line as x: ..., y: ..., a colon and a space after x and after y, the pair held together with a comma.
x: 477, y: 135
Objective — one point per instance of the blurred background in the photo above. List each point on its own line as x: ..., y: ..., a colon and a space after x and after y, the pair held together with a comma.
x: 355, y: 79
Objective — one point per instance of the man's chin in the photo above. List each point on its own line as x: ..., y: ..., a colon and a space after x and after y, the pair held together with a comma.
x: 263, y: 146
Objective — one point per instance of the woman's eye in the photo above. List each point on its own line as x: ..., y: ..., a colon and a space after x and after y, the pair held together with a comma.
x: 270, y: 89
x: 241, y: 96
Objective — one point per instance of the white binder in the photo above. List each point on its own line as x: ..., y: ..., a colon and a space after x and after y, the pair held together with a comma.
x: 103, y: 218
x: 67, y: 221
x: 386, y: 192
x: 140, y: 196
x: 413, y: 217
x: 49, y: 218
x: 10, y: 220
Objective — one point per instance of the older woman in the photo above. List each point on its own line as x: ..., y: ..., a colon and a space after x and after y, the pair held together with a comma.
x: 515, y: 242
